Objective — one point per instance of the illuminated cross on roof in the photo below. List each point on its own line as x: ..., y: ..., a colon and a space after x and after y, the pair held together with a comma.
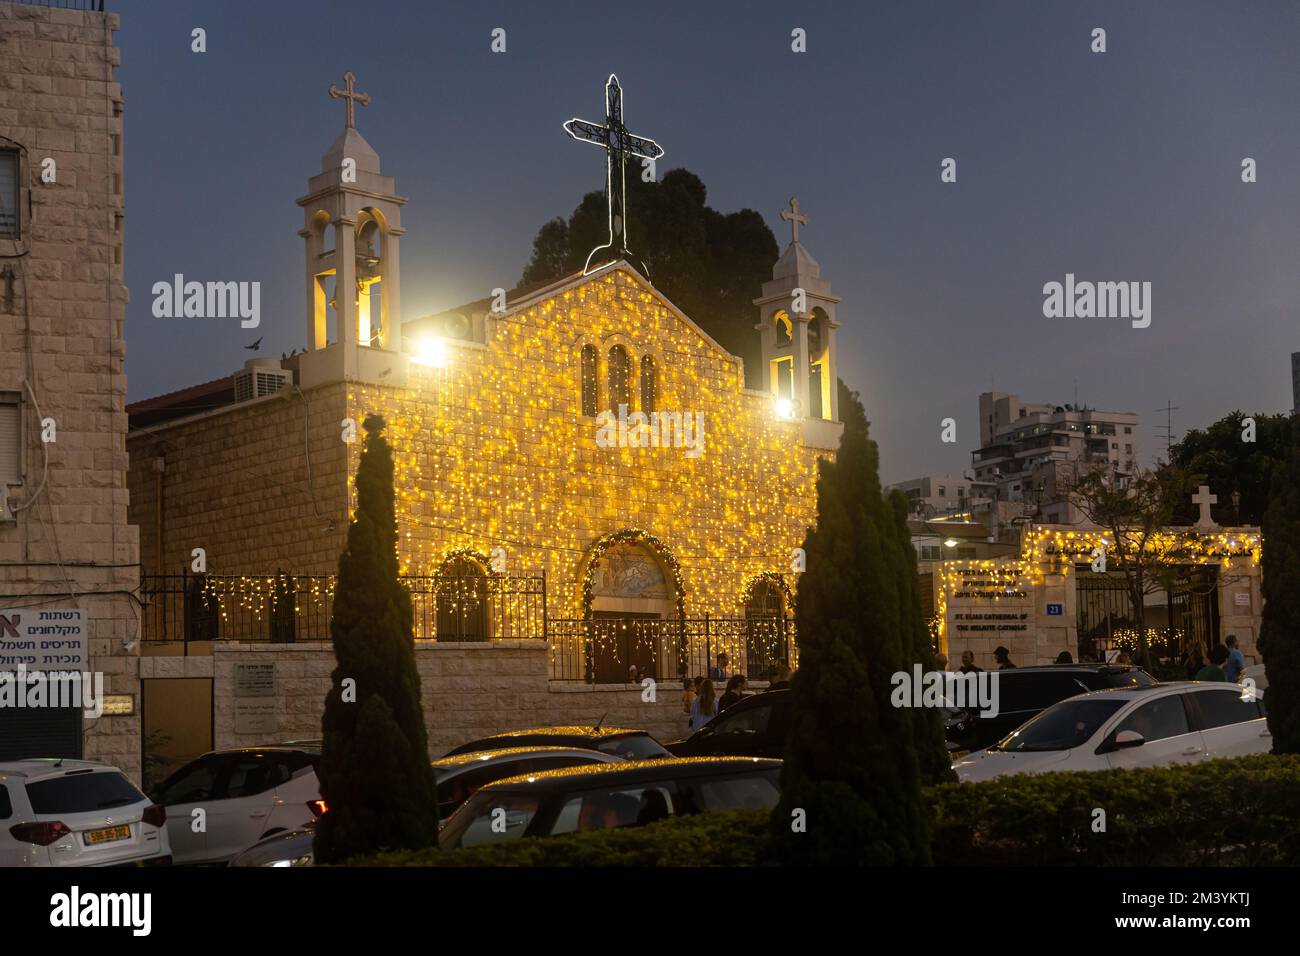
x: 794, y: 217
x: 349, y: 94
x: 618, y: 144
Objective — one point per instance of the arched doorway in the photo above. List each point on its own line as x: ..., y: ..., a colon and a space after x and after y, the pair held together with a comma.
x: 767, y: 644
x: 461, y: 592
x: 630, y: 597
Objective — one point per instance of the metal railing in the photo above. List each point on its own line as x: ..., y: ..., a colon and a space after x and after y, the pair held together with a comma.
x: 285, y: 609
x: 188, y: 609
x: 606, y: 650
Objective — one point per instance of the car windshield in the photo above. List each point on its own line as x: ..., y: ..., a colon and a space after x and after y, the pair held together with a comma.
x: 82, y: 793
x: 490, y: 816
x: 634, y: 747
x: 1060, y: 727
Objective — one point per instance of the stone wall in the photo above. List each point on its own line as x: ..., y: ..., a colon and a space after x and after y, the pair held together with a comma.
x: 261, y: 486
x: 469, y: 690
x: 63, y: 335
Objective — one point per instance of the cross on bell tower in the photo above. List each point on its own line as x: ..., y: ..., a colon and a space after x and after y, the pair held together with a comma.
x: 349, y: 94
x: 618, y: 144
x: 794, y: 217
x: 352, y: 230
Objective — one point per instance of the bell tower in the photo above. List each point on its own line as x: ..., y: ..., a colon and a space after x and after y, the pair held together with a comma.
x: 797, y: 332
x: 352, y: 229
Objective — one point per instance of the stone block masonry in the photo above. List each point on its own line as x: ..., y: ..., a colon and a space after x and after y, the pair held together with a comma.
x: 469, y: 690
x: 71, y: 544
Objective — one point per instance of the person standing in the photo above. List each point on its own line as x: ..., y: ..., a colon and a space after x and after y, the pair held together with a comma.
x: 735, y: 691
x: 688, y: 695
x: 1214, y: 669
x: 705, y: 707
x: 968, y: 663
x: 719, y: 673
x: 1236, y: 663
x: 1003, y: 657
x: 781, y: 679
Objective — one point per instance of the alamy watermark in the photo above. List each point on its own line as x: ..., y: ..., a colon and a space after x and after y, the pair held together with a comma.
x: 977, y: 690
x: 1099, y: 300
x: 179, y: 299
x: 655, y: 430
x: 40, y: 689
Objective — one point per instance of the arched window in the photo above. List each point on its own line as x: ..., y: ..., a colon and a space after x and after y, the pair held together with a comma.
x: 462, y: 595
x: 784, y: 331
x: 767, y: 634
x: 817, y: 333
x: 590, y: 400
x: 649, y: 384
x: 619, y: 370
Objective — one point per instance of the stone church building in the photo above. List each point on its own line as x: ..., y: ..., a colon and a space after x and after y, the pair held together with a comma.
x: 587, y: 493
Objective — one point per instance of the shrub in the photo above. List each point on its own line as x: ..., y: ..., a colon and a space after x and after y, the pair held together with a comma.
x: 1232, y: 811
x: 730, y: 838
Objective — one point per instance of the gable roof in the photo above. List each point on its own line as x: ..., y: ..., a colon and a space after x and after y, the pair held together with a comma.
x: 560, y: 286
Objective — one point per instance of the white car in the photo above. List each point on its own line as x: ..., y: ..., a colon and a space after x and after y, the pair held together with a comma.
x: 76, y: 813
x: 1163, y: 724
x: 225, y: 801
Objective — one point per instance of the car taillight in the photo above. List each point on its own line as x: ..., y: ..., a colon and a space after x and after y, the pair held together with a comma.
x: 318, y: 807
x: 155, y: 815
x: 42, y: 834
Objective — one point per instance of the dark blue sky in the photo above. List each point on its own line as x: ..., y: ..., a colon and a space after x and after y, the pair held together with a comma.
x: 1115, y: 166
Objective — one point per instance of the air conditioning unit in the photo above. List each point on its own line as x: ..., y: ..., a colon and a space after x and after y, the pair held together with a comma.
x: 260, y: 377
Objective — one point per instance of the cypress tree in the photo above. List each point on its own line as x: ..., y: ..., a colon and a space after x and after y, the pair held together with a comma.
x: 853, y: 767
x: 1279, y: 633
x: 374, y: 771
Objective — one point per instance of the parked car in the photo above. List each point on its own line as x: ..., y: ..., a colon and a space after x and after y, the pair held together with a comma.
x: 755, y: 726
x: 59, y: 812
x: 1158, y: 725
x: 457, y: 779
x: 619, y: 741
x: 611, y: 795
x: 245, y: 795
x: 1025, y: 692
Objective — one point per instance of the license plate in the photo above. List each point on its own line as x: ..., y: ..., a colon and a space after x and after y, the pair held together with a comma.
x: 107, y: 835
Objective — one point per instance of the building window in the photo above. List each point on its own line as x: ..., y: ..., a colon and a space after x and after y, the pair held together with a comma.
x: 9, y: 193
x: 930, y: 552
x: 966, y: 554
x: 590, y: 402
x: 1128, y: 430
x: 783, y: 329
x: 11, y: 440
x: 649, y: 384
x: 943, y: 492
x: 619, y: 369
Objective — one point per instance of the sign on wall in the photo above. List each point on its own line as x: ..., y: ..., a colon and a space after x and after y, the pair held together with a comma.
x: 43, y: 638
x: 255, y: 699
x: 1055, y: 610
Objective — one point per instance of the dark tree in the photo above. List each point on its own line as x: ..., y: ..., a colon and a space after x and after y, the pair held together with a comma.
x: 374, y: 772
x: 1232, y: 466
x: 1279, y: 634
x: 709, y: 264
x: 853, y: 762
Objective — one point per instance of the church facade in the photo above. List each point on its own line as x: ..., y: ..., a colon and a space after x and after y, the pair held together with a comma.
x: 583, y: 482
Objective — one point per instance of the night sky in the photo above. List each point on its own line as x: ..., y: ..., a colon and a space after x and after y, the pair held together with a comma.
x: 1117, y: 166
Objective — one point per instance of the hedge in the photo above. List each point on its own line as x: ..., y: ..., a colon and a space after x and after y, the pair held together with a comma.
x: 1243, y: 810
x: 731, y: 838
x: 1238, y: 811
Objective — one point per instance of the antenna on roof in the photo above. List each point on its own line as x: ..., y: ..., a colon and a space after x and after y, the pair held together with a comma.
x: 601, y: 721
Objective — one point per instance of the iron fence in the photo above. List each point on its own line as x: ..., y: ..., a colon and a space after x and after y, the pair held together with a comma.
x: 285, y: 609
x: 618, y: 649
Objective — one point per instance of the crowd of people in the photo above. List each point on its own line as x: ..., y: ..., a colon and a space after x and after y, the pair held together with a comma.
x: 1226, y: 662
x: 700, y: 699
